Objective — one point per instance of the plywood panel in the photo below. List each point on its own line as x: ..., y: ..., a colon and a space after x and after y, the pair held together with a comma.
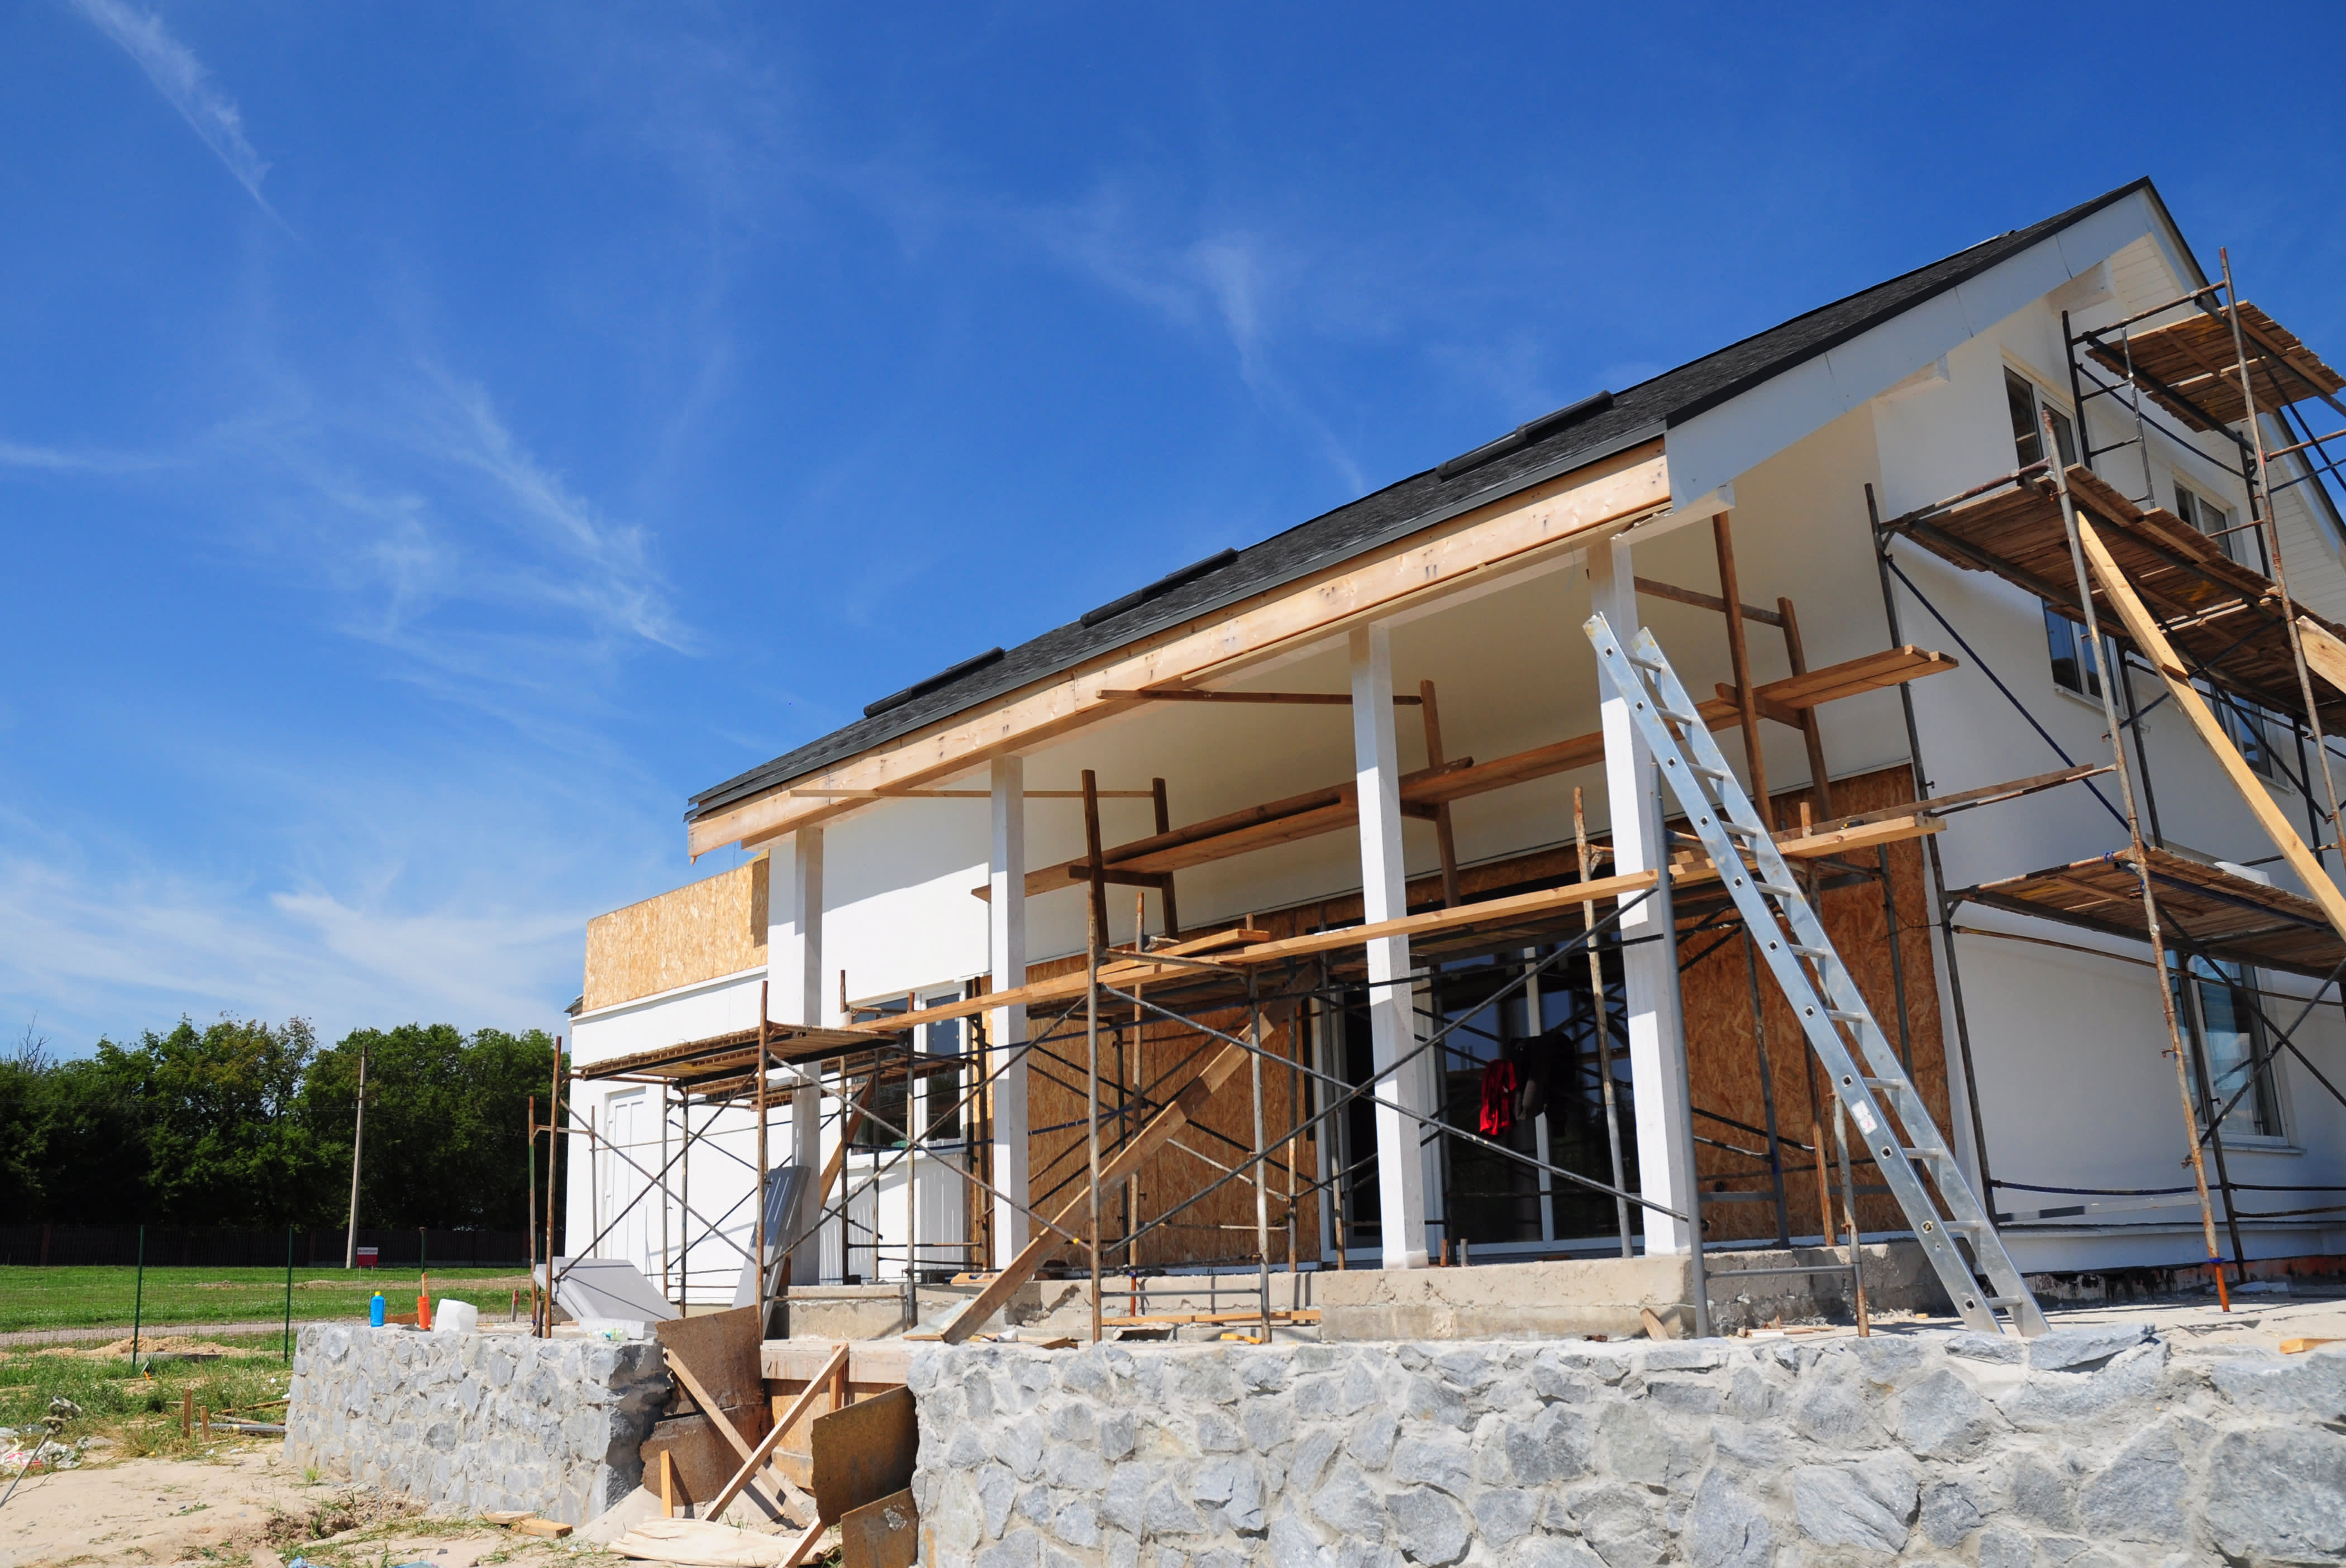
x: 713, y: 927
x: 1722, y: 1050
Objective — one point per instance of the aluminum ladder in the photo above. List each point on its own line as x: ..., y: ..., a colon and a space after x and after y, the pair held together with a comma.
x: 1818, y: 985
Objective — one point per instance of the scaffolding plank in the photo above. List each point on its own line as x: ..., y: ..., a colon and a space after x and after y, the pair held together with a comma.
x: 2187, y: 697
x: 2224, y: 615
x: 2218, y: 912
x: 2199, y: 374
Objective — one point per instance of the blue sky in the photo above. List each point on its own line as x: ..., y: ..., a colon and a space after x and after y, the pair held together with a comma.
x: 436, y: 440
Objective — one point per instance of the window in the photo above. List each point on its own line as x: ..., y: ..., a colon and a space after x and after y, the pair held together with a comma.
x: 2248, y: 726
x: 2220, y: 1010
x: 2029, y: 406
x: 937, y: 1105
x: 2064, y: 639
x: 2216, y: 522
x: 2073, y: 656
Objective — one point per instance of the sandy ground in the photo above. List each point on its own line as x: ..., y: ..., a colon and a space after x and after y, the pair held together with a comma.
x: 232, y: 1508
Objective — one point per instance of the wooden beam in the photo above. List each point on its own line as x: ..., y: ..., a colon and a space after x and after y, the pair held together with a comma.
x: 1129, y: 1156
x: 1123, y: 974
x: 959, y: 794
x: 2152, y: 642
x: 1192, y: 694
x: 1702, y: 601
x: 1739, y: 654
x: 1445, y: 842
x: 1811, y: 733
x: 2324, y: 653
x: 1466, y: 553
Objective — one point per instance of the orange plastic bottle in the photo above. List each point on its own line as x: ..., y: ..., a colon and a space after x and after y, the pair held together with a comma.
x: 424, y: 1303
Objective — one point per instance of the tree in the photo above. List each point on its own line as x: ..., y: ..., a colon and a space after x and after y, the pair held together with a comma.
x: 444, y: 1127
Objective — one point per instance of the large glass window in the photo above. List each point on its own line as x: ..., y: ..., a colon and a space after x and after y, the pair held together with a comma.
x: 1530, y: 1060
x: 2222, y: 1012
x: 938, y: 1100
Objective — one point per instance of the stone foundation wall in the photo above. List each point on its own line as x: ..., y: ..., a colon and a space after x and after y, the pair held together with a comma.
x: 2089, y: 1448
x: 476, y: 1420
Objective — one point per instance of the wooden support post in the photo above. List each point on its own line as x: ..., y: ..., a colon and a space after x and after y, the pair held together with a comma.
x: 1811, y: 731
x: 1740, y: 654
x: 554, y: 1115
x: 668, y: 1484
x: 1095, y: 858
x: 1165, y: 894
x: 1445, y: 841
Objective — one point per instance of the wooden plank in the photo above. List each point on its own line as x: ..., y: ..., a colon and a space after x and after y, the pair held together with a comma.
x: 789, y: 1418
x: 1702, y: 601
x: 1129, y: 1156
x: 1299, y: 698
x: 2154, y: 645
x: 1521, y: 906
x: 1738, y: 654
x: 2325, y: 653
x: 1124, y: 975
x: 1462, y: 552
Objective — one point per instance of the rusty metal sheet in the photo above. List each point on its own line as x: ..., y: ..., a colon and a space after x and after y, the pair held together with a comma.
x: 864, y: 1453
x: 882, y: 1534
x: 721, y: 1349
x: 704, y: 1462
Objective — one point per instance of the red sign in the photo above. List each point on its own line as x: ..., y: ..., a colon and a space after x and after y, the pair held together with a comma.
x: 366, y: 1255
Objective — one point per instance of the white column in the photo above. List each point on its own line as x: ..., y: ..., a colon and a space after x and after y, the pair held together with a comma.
x: 794, y: 972
x: 1658, y: 1064
x: 1006, y: 1026
x: 1392, y: 1031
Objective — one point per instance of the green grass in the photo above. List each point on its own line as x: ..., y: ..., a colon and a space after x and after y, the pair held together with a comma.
x: 140, y: 1414
x: 101, y: 1297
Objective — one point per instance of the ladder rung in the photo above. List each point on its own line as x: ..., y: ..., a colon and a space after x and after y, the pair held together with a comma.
x: 1934, y: 1155
x: 1812, y: 952
x: 1778, y: 889
x: 2005, y: 1300
x: 1712, y: 772
x: 1649, y: 663
x: 1969, y: 1224
x: 1844, y: 1015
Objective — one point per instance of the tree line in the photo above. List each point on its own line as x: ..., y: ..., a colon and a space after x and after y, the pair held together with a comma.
x: 245, y: 1123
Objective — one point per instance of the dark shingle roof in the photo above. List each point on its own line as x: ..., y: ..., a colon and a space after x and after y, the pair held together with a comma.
x: 1639, y: 414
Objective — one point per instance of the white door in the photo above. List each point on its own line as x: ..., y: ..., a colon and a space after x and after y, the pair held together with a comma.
x: 626, y: 1213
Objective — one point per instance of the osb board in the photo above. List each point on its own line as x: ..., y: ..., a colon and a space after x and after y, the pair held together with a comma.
x: 712, y: 927
x: 1722, y: 1053
x: 1722, y: 1056
x: 1160, y: 1056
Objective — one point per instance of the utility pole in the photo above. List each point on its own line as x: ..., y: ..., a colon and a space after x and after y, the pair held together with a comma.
x: 358, y: 1141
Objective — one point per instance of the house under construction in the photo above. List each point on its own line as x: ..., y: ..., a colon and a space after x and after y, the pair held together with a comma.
x: 1951, y: 859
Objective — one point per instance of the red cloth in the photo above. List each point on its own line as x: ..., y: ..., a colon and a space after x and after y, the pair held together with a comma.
x: 1500, y: 1083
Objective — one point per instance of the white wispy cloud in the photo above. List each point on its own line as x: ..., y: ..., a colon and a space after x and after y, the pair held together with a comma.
x: 56, y: 460
x: 185, y: 85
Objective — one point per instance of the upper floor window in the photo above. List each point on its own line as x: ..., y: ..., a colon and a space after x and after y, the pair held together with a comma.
x: 2029, y: 407
x: 2216, y: 522
x: 930, y: 1097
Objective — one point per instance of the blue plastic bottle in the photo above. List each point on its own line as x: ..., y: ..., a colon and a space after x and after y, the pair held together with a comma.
x: 374, y: 1310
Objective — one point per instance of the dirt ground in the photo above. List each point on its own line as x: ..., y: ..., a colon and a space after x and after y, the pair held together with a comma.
x: 240, y: 1505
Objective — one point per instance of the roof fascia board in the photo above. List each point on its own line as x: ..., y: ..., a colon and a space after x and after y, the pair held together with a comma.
x: 1435, y: 557
x: 1727, y: 439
